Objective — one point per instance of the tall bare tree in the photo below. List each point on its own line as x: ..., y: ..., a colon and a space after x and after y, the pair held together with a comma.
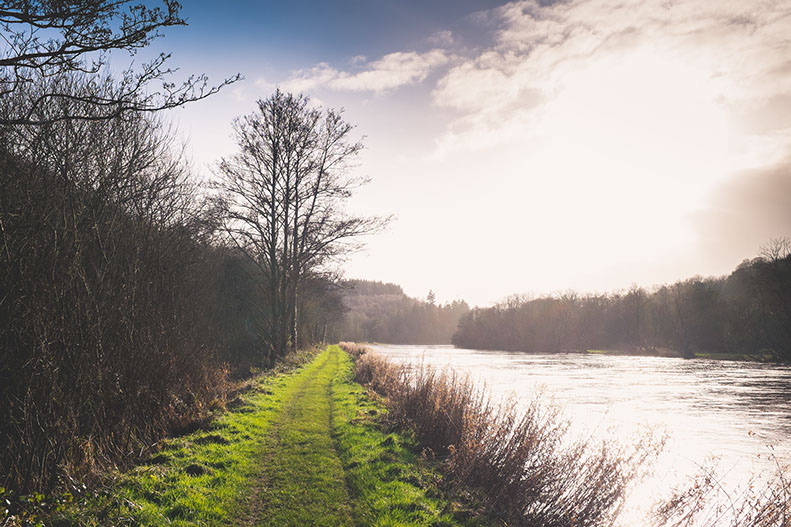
x: 43, y: 39
x: 284, y: 190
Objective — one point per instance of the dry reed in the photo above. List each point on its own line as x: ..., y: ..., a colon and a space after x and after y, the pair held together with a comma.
x: 529, y: 472
x: 521, y: 461
x: 705, y: 501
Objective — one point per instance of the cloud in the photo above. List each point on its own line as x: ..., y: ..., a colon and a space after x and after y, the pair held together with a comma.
x: 674, y: 114
x: 442, y: 38
x: 543, y: 50
x: 390, y: 72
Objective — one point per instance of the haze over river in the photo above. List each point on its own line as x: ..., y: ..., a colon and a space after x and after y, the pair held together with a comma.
x: 738, y: 413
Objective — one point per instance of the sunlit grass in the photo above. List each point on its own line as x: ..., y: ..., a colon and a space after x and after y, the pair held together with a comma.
x: 202, y: 478
x: 304, y: 448
x: 389, y: 483
x: 302, y: 482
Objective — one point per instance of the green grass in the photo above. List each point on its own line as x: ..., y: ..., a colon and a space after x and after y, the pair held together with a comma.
x: 304, y: 448
x: 303, y: 481
x: 199, y: 479
x: 389, y: 483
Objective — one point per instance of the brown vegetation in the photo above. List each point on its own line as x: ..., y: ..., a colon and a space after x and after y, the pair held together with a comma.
x: 531, y: 474
x: 521, y: 461
x: 106, y: 276
x: 704, y: 502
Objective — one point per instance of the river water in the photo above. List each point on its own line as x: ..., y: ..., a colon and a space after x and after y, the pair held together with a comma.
x: 731, y: 417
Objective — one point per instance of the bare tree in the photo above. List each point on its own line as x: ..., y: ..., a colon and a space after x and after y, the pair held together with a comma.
x: 107, y: 293
x: 43, y: 39
x: 284, y: 190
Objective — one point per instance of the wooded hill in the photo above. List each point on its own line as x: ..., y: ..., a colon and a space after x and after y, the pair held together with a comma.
x: 381, y: 312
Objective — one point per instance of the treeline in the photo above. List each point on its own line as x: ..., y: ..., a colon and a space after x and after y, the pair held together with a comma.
x: 380, y: 312
x: 130, y: 291
x: 746, y: 313
x: 124, y: 306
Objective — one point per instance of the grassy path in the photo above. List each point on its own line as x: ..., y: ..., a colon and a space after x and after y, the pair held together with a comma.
x: 303, y: 480
x: 298, y: 449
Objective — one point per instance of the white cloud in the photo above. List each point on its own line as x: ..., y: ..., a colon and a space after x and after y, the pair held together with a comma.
x: 390, y: 72
x: 737, y: 49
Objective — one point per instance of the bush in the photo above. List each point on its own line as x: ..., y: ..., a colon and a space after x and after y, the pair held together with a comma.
x: 521, y: 461
x: 106, y: 297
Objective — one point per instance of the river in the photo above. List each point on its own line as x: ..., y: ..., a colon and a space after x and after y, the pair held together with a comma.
x: 732, y: 416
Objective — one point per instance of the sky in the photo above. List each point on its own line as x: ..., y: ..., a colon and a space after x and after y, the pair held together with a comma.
x: 527, y: 147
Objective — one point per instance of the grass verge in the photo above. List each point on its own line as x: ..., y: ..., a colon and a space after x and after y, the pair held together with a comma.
x: 303, y: 448
x: 198, y: 479
x: 390, y: 483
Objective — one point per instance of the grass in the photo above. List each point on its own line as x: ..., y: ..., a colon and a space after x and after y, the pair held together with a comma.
x: 303, y: 480
x: 198, y: 479
x: 390, y: 483
x: 304, y: 448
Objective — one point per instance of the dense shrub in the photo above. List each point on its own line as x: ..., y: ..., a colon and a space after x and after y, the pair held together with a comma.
x: 107, y: 297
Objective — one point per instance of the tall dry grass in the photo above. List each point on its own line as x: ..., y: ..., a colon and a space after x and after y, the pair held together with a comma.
x: 531, y: 473
x: 704, y: 501
x: 354, y: 349
x: 521, y: 461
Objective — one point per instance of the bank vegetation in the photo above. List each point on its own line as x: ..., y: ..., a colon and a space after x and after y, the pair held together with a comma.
x: 529, y: 472
x: 746, y: 314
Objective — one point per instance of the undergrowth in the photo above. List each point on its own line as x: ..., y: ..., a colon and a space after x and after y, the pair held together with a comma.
x: 390, y: 482
x: 519, y: 459
x: 197, y: 477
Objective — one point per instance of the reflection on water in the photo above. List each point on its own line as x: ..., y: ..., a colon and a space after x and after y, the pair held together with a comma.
x: 736, y: 412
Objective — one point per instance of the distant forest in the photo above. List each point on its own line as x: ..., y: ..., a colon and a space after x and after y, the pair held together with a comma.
x: 747, y: 312
x: 380, y: 312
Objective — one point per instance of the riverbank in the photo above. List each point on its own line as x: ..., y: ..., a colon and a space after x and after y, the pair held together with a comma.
x: 301, y: 448
x: 639, y: 352
x: 673, y: 354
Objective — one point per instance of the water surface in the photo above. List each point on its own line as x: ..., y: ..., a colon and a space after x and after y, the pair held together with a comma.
x: 730, y: 414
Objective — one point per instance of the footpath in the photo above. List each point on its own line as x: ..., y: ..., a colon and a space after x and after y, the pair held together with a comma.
x: 298, y: 449
x: 303, y: 481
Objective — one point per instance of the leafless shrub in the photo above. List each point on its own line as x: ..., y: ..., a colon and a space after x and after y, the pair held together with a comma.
x: 521, y: 460
x: 106, y: 295
x: 704, y: 501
